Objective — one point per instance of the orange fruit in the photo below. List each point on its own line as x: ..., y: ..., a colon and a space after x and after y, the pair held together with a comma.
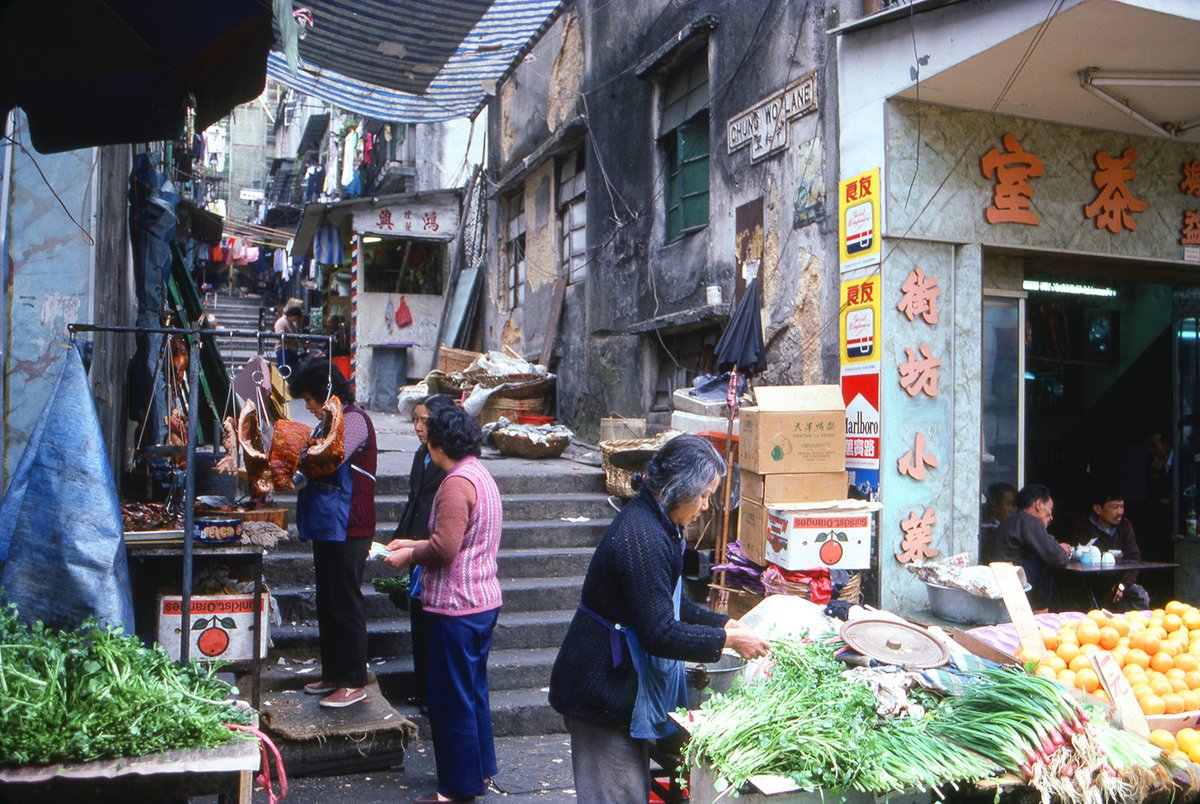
x: 1109, y: 637
x: 1159, y: 685
x: 1046, y: 671
x: 1178, y: 684
x: 1102, y: 695
x: 1066, y: 678
x: 1172, y: 704
x: 1088, y: 632
x: 1191, y: 619
x: 1162, y: 661
x: 1118, y: 654
x: 1025, y: 656
x: 1192, y: 677
x: 1194, y: 753
x: 1152, y: 705
x: 1141, y: 690
x: 1055, y: 663
x: 1186, y: 661
x: 1079, y: 662
x: 1164, y: 740
x: 1145, y: 641
x: 1174, y: 673
x: 1121, y: 624
x: 1191, y: 700
x: 1175, y: 607
x: 1186, y: 737
x: 1172, y: 622
x: 1136, y: 656
x: 1089, y: 648
x: 1049, y: 639
x: 1087, y: 680
x: 1158, y: 631
x: 1171, y: 647
x: 1067, y: 651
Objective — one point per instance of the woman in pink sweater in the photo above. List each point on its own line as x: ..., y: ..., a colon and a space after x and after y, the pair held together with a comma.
x: 461, y: 594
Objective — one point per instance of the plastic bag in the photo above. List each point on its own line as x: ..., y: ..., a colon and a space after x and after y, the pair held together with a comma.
x: 403, y: 315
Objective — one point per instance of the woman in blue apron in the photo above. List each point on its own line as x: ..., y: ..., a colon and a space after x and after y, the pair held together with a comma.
x: 619, y: 672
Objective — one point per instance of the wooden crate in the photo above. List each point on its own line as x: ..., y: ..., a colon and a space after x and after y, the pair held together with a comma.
x: 451, y: 360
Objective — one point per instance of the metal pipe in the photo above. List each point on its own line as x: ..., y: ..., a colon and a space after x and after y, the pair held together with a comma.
x: 189, y: 501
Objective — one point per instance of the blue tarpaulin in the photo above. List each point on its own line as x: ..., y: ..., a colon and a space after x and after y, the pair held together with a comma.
x: 62, y: 548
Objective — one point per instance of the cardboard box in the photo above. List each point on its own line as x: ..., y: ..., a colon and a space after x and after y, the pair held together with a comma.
x: 805, y: 487
x: 222, y: 627
x: 794, y: 429
x: 752, y: 531
x: 821, y: 535
x: 683, y: 401
x: 694, y: 423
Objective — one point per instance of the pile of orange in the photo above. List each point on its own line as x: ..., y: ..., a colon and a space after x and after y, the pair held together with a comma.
x: 1158, y: 651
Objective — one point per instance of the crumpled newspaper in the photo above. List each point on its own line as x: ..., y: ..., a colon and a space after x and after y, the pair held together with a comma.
x: 538, y: 434
x: 500, y: 364
x: 956, y: 572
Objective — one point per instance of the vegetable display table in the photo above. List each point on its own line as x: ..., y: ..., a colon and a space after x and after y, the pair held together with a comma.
x: 226, y: 770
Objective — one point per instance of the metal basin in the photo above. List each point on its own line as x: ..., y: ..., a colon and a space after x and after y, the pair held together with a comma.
x: 705, y: 679
x: 962, y: 607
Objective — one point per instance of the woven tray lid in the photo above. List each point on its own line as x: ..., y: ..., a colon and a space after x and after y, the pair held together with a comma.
x: 894, y: 642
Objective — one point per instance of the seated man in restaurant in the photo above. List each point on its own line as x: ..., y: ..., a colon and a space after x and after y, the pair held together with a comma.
x: 1022, y: 539
x: 1108, y: 528
x: 1000, y: 505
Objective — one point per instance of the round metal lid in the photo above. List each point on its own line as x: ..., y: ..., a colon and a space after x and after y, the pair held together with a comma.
x: 893, y: 642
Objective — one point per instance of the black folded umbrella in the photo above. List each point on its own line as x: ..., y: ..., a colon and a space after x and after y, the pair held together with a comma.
x: 741, y: 344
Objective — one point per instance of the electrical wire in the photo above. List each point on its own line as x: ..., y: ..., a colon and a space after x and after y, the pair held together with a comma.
x: 86, y: 235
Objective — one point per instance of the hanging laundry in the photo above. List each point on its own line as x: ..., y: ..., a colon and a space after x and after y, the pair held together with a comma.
x: 331, y: 168
x: 350, y: 150
x: 279, y: 263
x: 251, y: 254
x: 368, y: 147
x: 327, y: 245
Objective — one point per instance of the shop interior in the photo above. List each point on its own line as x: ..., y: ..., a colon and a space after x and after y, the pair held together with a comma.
x: 1091, y: 379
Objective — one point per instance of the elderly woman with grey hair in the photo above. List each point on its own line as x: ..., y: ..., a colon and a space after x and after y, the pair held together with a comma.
x: 619, y: 672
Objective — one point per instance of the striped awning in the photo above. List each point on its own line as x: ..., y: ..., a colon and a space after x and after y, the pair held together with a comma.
x: 413, y: 61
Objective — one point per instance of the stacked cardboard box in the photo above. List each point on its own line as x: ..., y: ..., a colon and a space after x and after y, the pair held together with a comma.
x: 792, y: 450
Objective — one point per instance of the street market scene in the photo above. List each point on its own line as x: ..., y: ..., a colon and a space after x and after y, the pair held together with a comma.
x: 781, y: 401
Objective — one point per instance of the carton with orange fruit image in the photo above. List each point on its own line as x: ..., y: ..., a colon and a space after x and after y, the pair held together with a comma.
x: 827, y: 535
x: 1157, y: 651
x: 222, y: 627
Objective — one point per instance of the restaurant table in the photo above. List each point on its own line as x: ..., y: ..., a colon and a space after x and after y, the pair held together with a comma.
x: 1089, y: 573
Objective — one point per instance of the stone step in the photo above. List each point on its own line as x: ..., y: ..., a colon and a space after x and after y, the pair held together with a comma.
x: 298, y: 603
x: 389, y: 638
x: 507, y: 670
x: 521, y: 534
x: 515, y: 713
x: 390, y: 485
x: 517, y: 506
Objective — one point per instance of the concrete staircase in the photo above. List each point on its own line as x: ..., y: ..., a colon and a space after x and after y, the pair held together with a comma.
x: 542, y: 561
x: 240, y: 312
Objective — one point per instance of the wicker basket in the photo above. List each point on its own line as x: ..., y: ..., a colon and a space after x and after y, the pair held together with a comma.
x: 521, y: 386
x: 452, y: 360
x: 617, y: 480
x: 520, y: 446
x: 509, y: 408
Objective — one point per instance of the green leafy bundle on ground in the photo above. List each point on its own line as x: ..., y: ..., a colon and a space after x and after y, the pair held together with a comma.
x: 97, y: 693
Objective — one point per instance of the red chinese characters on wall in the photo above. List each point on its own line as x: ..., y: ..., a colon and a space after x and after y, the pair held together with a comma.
x: 917, y: 544
x: 912, y: 463
x: 1114, y: 205
x: 1191, y: 178
x: 859, y: 189
x: 920, y: 295
x: 385, y: 220
x: 860, y: 294
x: 920, y: 375
x: 1189, y: 235
x: 1011, y: 169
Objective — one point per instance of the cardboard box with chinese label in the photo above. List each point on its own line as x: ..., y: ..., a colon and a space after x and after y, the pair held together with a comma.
x: 794, y: 429
x: 752, y: 531
x: 838, y: 535
x: 803, y: 487
x: 222, y: 627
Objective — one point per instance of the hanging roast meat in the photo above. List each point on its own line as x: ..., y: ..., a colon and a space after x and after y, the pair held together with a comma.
x: 326, y: 450
x: 250, y: 438
x: 229, y: 463
x: 286, y: 446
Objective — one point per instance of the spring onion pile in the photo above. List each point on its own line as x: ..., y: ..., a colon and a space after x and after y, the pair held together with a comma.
x: 391, y: 584
x: 1033, y: 727
x: 96, y: 693
x: 808, y: 723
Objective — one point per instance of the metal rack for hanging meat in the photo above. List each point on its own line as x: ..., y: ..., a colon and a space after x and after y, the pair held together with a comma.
x: 192, y: 337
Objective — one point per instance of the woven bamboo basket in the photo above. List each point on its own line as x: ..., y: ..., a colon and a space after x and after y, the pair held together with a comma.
x: 617, y: 480
x: 522, y: 447
x: 452, y: 360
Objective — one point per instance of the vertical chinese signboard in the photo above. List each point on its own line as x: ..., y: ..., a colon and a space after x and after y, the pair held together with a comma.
x: 858, y: 220
x: 859, y: 349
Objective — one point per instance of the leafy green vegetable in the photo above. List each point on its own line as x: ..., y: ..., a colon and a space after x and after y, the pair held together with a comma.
x: 805, y: 721
x: 98, y: 693
x: 392, y: 583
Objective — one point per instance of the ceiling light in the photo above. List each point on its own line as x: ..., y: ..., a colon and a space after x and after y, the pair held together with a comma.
x: 1067, y: 288
x: 371, y: 239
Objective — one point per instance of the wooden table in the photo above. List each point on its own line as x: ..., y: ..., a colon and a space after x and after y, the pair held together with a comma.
x: 1089, y: 572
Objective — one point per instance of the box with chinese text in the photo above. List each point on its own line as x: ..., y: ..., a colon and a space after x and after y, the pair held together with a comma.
x: 829, y: 535
x: 222, y: 627
x: 794, y: 429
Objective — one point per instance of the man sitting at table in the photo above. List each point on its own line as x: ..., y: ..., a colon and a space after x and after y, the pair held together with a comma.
x: 1022, y: 539
x: 1108, y: 528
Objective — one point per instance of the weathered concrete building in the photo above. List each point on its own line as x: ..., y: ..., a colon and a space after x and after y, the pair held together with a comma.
x: 648, y: 159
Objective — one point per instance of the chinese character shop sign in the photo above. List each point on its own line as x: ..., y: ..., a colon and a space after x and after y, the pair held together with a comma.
x: 1011, y: 169
x: 764, y: 126
x: 858, y: 220
x: 430, y: 216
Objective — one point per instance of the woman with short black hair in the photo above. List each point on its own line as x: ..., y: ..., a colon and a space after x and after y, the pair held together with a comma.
x: 461, y: 597
x: 619, y: 672
x: 337, y: 514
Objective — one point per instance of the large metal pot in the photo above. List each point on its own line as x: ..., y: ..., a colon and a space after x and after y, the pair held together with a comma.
x: 962, y: 607
x: 705, y: 679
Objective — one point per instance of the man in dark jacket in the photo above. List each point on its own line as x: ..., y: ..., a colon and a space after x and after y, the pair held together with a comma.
x: 1108, y: 528
x: 1022, y: 539
x: 423, y: 481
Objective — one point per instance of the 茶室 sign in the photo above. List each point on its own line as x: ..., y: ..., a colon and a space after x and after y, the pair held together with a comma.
x: 764, y: 126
